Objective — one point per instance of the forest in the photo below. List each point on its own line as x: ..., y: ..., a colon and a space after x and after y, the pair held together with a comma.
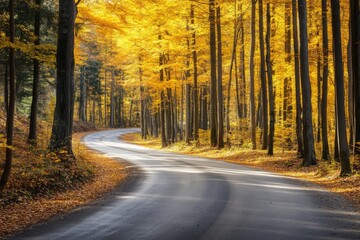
x: 273, y: 75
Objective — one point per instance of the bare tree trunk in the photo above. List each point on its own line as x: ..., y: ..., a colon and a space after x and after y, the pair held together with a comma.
x: 270, y: 83
x: 6, y: 87
x: 213, y: 102
x: 355, y: 59
x: 325, y: 155
x: 252, y: 81
x: 233, y: 62
x: 112, y: 99
x: 63, y: 116
x: 204, y: 108
x: 11, y: 107
x: 195, y: 74
x: 187, y: 113
x: 220, y: 100
x: 82, y: 96
x: 309, y: 150
x: 299, y: 137
x: 340, y: 91
x: 36, y: 80
x: 264, y: 100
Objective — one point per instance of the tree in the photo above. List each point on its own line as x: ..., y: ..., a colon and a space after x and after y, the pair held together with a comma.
x: 220, y: 104
x: 61, y: 135
x: 270, y: 83
x: 264, y: 100
x: 11, y: 107
x: 36, y: 79
x: 213, y: 82
x: 252, y: 81
x: 195, y: 74
x: 340, y: 91
x: 355, y: 60
x: 325, y: 155
x: 299, y: 137
x: 309, y: 150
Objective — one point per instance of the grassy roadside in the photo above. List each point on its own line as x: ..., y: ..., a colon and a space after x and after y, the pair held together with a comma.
x: 101, y: 175
x: 283, y: 162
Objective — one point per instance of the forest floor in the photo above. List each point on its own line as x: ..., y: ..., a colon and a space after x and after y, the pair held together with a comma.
x: 41, y: 186
x: 283, y: 162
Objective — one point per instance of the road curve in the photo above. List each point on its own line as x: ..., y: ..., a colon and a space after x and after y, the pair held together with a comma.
x: 185, y: 197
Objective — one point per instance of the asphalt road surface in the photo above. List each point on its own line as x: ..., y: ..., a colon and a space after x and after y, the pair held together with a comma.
x: 184, y: 197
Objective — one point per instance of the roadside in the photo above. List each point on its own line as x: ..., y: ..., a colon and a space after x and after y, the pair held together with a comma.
x: 283, y: 162
x: 104, y: 175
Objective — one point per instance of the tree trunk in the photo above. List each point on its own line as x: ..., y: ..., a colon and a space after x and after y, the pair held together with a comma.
x: 325, y: 155
x: 182, y: 111
x: 309, y: 151
x: 63, y: 115
x: 252, y: 81
x: 11, y: 107
x: 299, y: 137
x: 355, y: 59
x: 112, y: 99
x: 233, y: 60
x: 105, y: 98
x: 187, y: 113
x: 204, y: 108
x: 82, y: 96
x: 287, y: 101
x: 195, y: 74
x: 264, y: 100
x: 213, y: 98
x: 340, y: 91
x: 36, y: 80
x: 220, y: 100
x: 242, y: 69
x: 318, y: 125
x: 270, y: 83
x: 6, y: 87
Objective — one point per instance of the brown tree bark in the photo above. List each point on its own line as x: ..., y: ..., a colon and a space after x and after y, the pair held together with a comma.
x: 61, y: 135
x: 355, y: 60
x: 213, y: 96
x: 11, y: 107
x: 299, y: 137
x: 252, y: 80
x: 220, y: 100
x: 325, y: 153
x: 264, y: 100
x: 309, y: 150
x: 195, y: 76
x: 36, y: 80
x: 340, y: 90
x: 270, y: 83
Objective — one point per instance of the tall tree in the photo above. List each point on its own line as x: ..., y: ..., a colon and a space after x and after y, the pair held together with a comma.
x: 340, y: 91
x: 299, y: 137
x: 325, y: 155
x: 213, y: 82
x: 355, y: 59
x: 264, y: 100
x: 252, y: 73
x: 36, y: 78
x: 270, y: 82
x: 220, y: 100
x: 11, y: 107
x: 195, y: 75
x: 309, y: 150
x: 61, y: 135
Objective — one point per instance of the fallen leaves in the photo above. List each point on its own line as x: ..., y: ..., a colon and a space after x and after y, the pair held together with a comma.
x: 107, y: 174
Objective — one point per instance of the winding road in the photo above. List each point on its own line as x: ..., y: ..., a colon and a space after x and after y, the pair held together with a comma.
x: 183, y: 197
